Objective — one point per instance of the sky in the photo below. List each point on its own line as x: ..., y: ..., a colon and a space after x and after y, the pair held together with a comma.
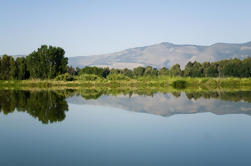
x: 91, y: 27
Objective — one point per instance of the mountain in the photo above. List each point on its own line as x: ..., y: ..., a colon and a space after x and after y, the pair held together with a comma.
x: 164, y: 54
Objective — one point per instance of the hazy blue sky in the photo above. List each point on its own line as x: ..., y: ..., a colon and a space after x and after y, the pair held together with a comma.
x: 95, y: 27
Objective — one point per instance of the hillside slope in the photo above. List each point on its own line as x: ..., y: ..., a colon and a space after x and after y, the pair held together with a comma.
x: 164, y: 54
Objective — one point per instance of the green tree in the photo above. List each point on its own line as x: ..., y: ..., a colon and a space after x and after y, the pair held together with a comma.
x: 102, y: 72
x: 71, y: 70
x: 188, y: 69
x: 232, y: 67
x: 13, y: 68
x: 193, y: 69
x: 197, y: 70
x: 5, y: 67
x: 245, y: 68
x: 164, y: 71
x: 22, y: 72
x: 155, y: 72
x: 175, y: 70
x: 212, y: 70
x: 47, y: 62
x: 128, y: 73
x: 138, y: 71
x: 148, y: 71
x: 115, y: 71
x: 205, y: 67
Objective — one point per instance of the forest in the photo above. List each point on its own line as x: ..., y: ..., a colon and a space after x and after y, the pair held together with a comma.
x: 49, y: 62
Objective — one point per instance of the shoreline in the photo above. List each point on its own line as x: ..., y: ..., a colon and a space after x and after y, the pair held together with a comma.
x: 166, y: 83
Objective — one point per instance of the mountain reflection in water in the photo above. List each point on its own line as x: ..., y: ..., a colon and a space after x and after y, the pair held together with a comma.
x: 50, y: 106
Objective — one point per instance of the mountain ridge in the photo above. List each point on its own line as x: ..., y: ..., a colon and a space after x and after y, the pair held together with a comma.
x: 164, y: 54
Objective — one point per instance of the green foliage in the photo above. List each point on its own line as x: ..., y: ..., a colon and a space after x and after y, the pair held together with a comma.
x: 193, y: 69
x: 117, y: 77
x: 47, y: 62
x: 12, y: 69
x: 212, y: 70
x: 127, y: 72
x: 89, y: 77
x: 225, y: 68
x: 101, y: 72
x: 139, y: 71
x: 64, y: 77
x: 232, y: 68
x: 164, y: 71
x: 115, y: 71
x: 22, y: 72
x: 245, y: 68
x: 71, y: 71
x: 175, y: 70
x: 149, y: 71
x: 5, y: 67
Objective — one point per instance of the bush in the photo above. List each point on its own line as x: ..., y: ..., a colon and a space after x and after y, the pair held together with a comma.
x: 117, y: 77
x: 89, y: 77
x: 64, y: 77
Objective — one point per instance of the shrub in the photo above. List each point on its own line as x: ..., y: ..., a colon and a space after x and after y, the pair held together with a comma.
x: 64, y: 77
x: 117, y: 77
x: 89, y: 77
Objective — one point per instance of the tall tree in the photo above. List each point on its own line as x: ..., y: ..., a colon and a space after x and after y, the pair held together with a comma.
x: 22, y: 72
x: 205, y: 67
x: 148, y: 71
x: 139, y: 71
x: 13, y: 68
x: 164, y: 71
x: 5, y: 67
x: 47, y: 62
x: 128, y: 73
x: 188, y: 69
x: 175, y: 70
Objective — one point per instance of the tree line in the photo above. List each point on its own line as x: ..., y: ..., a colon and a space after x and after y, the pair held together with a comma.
x: 224, y: 68
x: 46, y: 62
x: 49, y: 62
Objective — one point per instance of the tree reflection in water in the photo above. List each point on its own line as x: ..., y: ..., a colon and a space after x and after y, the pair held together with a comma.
x: 50, y: 106
x: 47, y: 106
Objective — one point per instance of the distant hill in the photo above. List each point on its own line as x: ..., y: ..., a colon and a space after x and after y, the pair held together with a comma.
x: 164, y: 54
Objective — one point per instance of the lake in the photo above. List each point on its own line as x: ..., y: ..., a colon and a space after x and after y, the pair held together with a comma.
x: 89, y: 127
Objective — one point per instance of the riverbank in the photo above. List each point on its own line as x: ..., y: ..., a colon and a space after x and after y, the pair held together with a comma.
x: 167, y: 83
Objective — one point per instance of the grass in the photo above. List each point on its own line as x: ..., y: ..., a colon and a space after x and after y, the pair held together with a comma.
x: 162, y: 82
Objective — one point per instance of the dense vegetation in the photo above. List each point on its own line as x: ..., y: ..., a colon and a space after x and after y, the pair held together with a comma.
x: 225, y: 68
x: 45, y: 63
x: 50, y: 63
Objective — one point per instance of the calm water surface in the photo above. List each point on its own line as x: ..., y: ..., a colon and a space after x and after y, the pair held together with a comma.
x: 90, y: 128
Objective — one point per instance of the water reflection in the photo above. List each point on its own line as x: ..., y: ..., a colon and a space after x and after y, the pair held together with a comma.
x: 46, y: 106
x: 50, y: 106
